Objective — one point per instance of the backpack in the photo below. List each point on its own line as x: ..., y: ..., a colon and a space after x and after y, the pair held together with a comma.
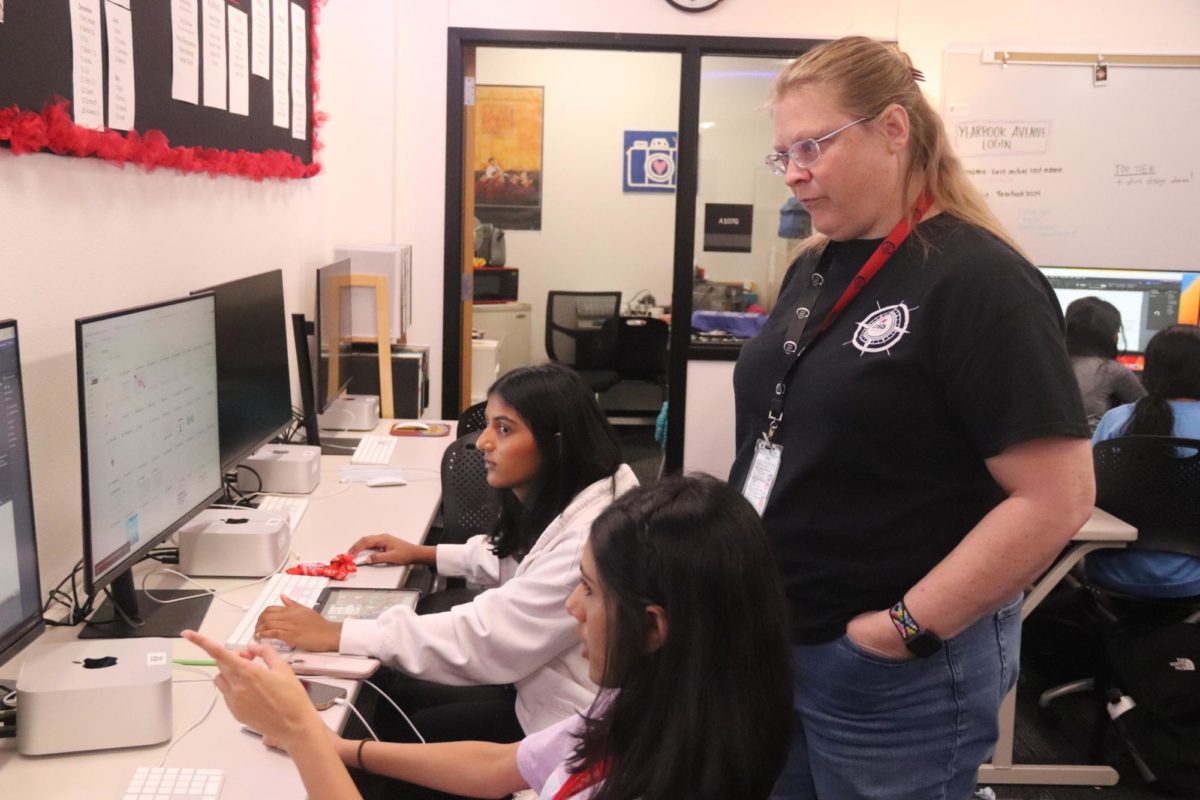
x: 1155, y: 701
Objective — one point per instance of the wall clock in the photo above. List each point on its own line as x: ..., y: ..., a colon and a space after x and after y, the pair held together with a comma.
x: 693, y: 5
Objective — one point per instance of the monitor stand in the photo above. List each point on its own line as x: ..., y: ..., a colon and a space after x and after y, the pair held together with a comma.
x: 156, y: 619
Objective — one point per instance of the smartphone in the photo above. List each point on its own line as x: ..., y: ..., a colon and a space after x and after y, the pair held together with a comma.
x: 322, y: 695
x: 354, y: 668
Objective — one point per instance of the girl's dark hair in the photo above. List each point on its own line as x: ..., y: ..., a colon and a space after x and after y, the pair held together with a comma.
x: 1172, y: 371
x: 1092, y: 327
x: 575, y: 442
x: 707, y: 714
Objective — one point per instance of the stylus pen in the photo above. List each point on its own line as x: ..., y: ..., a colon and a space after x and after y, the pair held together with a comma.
x: 195, y: 662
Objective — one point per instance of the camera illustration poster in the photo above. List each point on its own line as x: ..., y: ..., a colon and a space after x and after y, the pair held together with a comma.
x: 508, y: 156
x: 650, y: 161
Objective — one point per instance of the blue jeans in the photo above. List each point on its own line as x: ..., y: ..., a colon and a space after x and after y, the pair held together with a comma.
x: 866, y: 727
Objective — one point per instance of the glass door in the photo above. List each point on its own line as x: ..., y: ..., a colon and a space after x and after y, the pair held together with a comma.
x: 744, y: 223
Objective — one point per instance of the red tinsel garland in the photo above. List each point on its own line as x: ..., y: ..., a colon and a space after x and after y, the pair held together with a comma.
x: 53, y: 129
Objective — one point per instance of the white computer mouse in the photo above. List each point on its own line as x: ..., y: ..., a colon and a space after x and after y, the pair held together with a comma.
x: 385, y: 481
x: 410, y: 426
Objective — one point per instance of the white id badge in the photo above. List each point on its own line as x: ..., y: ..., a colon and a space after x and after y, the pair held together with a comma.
x: 763, y: 471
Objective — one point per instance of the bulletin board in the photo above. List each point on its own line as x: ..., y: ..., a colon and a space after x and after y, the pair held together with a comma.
x: 232, y: 123
x: 1082, y: 172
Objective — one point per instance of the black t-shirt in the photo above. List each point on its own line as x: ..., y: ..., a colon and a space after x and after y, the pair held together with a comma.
x: 943, y: 360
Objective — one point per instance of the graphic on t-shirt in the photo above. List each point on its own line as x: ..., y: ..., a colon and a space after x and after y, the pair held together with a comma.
x: 881, y: 329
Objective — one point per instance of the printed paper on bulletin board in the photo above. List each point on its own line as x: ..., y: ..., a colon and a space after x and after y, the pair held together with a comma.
x: 217, y: 86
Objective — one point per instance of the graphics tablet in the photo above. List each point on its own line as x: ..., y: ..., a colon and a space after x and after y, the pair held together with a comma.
x: 337, y: 603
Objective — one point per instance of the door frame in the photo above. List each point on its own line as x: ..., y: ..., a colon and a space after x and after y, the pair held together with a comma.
x: 456, y: 294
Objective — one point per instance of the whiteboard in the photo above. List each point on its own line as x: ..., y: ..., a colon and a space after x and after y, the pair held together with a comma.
x: 1081, y: 174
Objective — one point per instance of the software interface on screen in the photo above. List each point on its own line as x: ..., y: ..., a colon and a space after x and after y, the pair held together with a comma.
x: 150, y: 414
x: 1148, y: 300
x: 19, y: 591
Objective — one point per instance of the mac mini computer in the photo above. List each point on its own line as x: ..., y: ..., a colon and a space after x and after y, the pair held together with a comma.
x: 94, y: 694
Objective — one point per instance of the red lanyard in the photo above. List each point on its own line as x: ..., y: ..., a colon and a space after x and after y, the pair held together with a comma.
x: 578, y: 781
x: 796, y: 341
x: 880, y: 257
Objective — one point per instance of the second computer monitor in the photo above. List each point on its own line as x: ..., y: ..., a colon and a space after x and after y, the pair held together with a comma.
x: 149, y: 448
x: 254, y: 398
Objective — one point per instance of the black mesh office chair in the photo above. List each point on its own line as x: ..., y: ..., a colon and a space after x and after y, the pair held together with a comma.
x: 472, y: 419
x: 640, y: 359
x: 577, y: 336
x: 469, y: 507
x: 641, y: 350
x: 1152, y: 483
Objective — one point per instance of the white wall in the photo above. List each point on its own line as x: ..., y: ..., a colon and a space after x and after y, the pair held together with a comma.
x: 594, y: 236
x: 82, y: 237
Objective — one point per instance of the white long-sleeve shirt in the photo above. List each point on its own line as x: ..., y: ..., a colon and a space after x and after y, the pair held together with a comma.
x: 518, y: 632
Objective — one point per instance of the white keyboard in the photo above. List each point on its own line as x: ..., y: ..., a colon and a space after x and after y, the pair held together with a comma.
x: 174, y: 783
x: 294, y: 507
x: 374, y: 448
x: 304, y: 589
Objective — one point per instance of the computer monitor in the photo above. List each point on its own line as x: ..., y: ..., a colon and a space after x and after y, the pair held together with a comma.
x: 301, y: 330
x: 254, y: 390
x: 150, y: 452
x: 20, y: 591
x: 1149, y: 300
x: 334, y: 332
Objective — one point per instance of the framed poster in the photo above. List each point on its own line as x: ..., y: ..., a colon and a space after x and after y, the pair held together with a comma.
x: 508, y: 156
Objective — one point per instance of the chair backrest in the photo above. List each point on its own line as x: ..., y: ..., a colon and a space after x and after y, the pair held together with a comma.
x: 576, y: 334
x: 472, y: 418
x: 1153, y: 483
x: 469, y: 505
x: 641, y: 348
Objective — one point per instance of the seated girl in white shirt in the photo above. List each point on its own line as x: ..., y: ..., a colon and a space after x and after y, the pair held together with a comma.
x: 508, y: 663
x: 683, y: 621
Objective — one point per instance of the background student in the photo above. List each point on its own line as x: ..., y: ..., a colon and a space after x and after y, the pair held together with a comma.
x: 556, y: 461
x: 929, y: 451
x: 1171, y: 408
x: 683, y: 623
x: 1093, y: 330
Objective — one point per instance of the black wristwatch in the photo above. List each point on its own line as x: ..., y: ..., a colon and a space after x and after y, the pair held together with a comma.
x: 920, y: 642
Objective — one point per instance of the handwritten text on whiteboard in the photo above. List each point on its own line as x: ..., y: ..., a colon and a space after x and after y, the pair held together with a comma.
x: 983, y: 138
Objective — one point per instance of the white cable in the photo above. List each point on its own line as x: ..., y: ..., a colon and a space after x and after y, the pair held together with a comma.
x: 211, y: 705
x: 341, y: 701
x: 10, y: 700
x: 398, y: 708
x: 210, y: 591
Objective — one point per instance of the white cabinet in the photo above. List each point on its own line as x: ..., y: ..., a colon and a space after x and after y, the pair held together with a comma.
x: 509, y: 324
x: 484, y: 368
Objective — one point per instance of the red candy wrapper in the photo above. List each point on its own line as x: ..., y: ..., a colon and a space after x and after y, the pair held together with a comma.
x: 337, y: 569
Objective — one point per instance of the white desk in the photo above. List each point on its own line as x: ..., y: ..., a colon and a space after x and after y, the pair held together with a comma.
x: 337, y: 515
x: 1101, y: 531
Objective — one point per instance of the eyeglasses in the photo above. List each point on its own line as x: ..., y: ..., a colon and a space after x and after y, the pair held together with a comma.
x: 805, y: 152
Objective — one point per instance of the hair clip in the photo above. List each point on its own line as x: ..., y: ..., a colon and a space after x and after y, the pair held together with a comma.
x: 917, y: 75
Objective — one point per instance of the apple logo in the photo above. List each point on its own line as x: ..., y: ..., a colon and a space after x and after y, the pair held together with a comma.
x: 98, y: 663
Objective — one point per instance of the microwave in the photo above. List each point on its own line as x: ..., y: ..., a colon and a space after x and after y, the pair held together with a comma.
x: 495, y: 285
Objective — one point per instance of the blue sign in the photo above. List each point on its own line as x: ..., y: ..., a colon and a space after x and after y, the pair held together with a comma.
x: 650, y: 161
